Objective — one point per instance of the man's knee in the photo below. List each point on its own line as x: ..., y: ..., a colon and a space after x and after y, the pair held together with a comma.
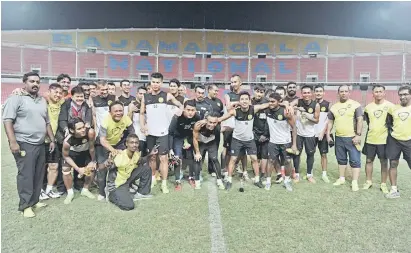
x: 67, y: 171
x: 52, y: 167
x: 253, y: 158
x: 369, y: 160
x: 393, y: 164
x: 163, y: 159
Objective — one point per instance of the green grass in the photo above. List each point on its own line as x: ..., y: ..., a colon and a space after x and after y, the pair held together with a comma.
x: 313, y: 218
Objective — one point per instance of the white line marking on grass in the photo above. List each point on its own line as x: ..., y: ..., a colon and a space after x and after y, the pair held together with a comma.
x: 216, y: 227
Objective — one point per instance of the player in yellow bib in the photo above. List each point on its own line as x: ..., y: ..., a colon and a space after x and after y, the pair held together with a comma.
x: 347, y: 117
x: 375, y: 114
x: 399, y: 139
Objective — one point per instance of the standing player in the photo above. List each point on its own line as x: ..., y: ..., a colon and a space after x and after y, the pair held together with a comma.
x: 78, y: 154
x: 375, y: 114
x: 93, y: 89
x: 399, y: 141
x: 101, y: 103
x: 204, y: 136
x: 134, y: 114
x: 261, y: 136
x: 182, y: 91
x: 181, y: 137
x: 243, y: 136
x: 64, y: 80
x: 155, y: 125
x: 125, y: 96
x: 283, y: 135
x: 347, y: 117
x: 321, y: 129
x: 173, y: 90
x: 202, y: 106
x: 308, y: 113
x: 291, y: 92
x: 111, y: 88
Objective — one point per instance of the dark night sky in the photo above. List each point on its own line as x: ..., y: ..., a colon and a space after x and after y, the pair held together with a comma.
x: 385, y: 20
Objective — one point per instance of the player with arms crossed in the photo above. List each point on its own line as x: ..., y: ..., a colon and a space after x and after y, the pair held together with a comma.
x: 155, y: 125
x: 79, y: 154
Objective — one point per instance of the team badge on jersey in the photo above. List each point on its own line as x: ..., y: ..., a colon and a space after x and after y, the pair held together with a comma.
x: 250, y: 117
x: 378, y: 113
x: 84, y: 141
x: 310, y: 110
x: 109, y: 102
x: 280, y: 117
x: 218, y: 104
x: 403, y: 115
x: 161, y: 100
x: 342, y: 111
x: 323, y: 109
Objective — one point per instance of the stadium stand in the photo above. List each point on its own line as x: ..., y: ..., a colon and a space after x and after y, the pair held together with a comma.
x: 36, y: 58
x: 365, y: 65
x: 63, y: 62
x: 10, y: 60
x: 390, y: 67
x: 339, y: 69
x: 312, y: 66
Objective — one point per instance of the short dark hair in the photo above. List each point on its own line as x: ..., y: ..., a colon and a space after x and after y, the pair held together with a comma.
x: 236, y: 75
x: 275, y: 96
x: 111, y: 83
x: 319, y: 86
x: 101, y: 82
x: 280, y: 88
x: 289, y: 83
x: 62, y: 76
x: 55, y: 86
x: 157, y: 75
x: 81, y: 84
x: 211, y: 86
x: 131, y: 136
x: 339, y: 87
x: 71, y: 124
x: 27, y: 75
x: 306, y: 86
x: 213, y: 114
x: 113, y: 104
x: 92, y: 83
x: 244, y: 93
x: 123, y: 81
x: 405, y: 87
x: 199, y: 86
x: 176, y: 81
x: 141, y: 88
x: 77, y: 90
x: 190, y: 102
x: 259, y: 86
x: 378, y: 86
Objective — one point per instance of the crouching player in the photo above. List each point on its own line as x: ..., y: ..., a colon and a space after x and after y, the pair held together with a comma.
x: 128, y: 167
x: 78, y: 153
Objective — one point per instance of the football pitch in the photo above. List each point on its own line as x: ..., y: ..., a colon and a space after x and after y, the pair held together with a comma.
x: 313, y: 218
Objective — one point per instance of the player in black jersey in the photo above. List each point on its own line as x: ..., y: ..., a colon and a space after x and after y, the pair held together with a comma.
x: 203, y: 107
x: 291, y: 92
x: 204, y: 137
x: 218, y: 107
x: 125, y: 96
x: 181, y: 138
x: 78, y: 154
x: 111, y: 88
x: 261, y: 134
x: 173, y: 87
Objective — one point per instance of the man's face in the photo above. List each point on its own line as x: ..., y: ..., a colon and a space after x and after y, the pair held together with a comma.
x: 102, y: 90
x: 33, y: 85
x: 200, y: 94
x: 212, y: 92
x: 306, y: 94
x: 65, y: 83
x: 211, y: 122
x: 140, y: 94
x: 189, y: 111
x: 344, y: 93
x: 235, y: 83
x: 319, y: 93
x: 93, y: 91
x: 259, y: 94
x: 132, y: 144
x: 274, y: 103
x: 156, y: 84
x: 378, y: 93
x: 405, y: 97
x: 244, y: 101
x: 80, y: 130
x: 55, y: 94
x: 181, y: 90
x: 78, y: 98
x: 125, y: 87
x: 173, y: 88
x: 281, y: 92
x: 117, y: 112
x: 86, y: 89
x: 291, y: 90
x: 111, y: 89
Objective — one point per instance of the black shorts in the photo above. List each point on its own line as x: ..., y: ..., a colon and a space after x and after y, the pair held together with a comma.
x: 53, y: 157
x: 81, y: 159
x: 396, y: 147
x: 161, y: 141
x: 262, y: 149
x: 322, y: 145
x: 239, y: 148
x: 210, y: 148
x: 228, y: 136
x: 142, y: 146
x: 371, y: 150
x: 277, y: 151
x: 309, y: 143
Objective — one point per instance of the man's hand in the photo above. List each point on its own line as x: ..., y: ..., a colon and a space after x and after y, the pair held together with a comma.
x: 155, y: 151
x: 171, y: 153
x: 14, y: 147
x: 321, y: 136
x: 197, y: 157
x: 356, y: 140
x: 92, y: 165
x: 143, y: 129
x: 52, y: 147
x: 81, y: 171
x: 294, y: 148
x: 262, y: 138
x: 186, y: 145
x: 66, y: 132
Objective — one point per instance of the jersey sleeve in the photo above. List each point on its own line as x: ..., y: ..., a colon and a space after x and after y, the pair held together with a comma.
x: 331, y: 115
x: 358, y: 112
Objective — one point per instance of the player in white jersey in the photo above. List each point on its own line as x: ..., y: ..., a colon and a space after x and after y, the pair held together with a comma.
x: 243, y: 135
x: 321, y: 129
x: 283, y: 134
x: 134, y: 114
x: 308, y: 113
x: 154, y: 122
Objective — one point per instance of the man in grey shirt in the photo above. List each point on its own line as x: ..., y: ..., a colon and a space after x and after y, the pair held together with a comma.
x: 26, y: 122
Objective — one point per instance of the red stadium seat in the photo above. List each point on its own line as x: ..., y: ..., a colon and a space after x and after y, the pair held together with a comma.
x: 37, y: 58
x: 10, y: 60
x: 312, y: 66
x: 365, y: 64
x: 339, y: 69
x: 390, y: 67
x: 118, y: 66
x: 90, y: 61
x: 63, y: 62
